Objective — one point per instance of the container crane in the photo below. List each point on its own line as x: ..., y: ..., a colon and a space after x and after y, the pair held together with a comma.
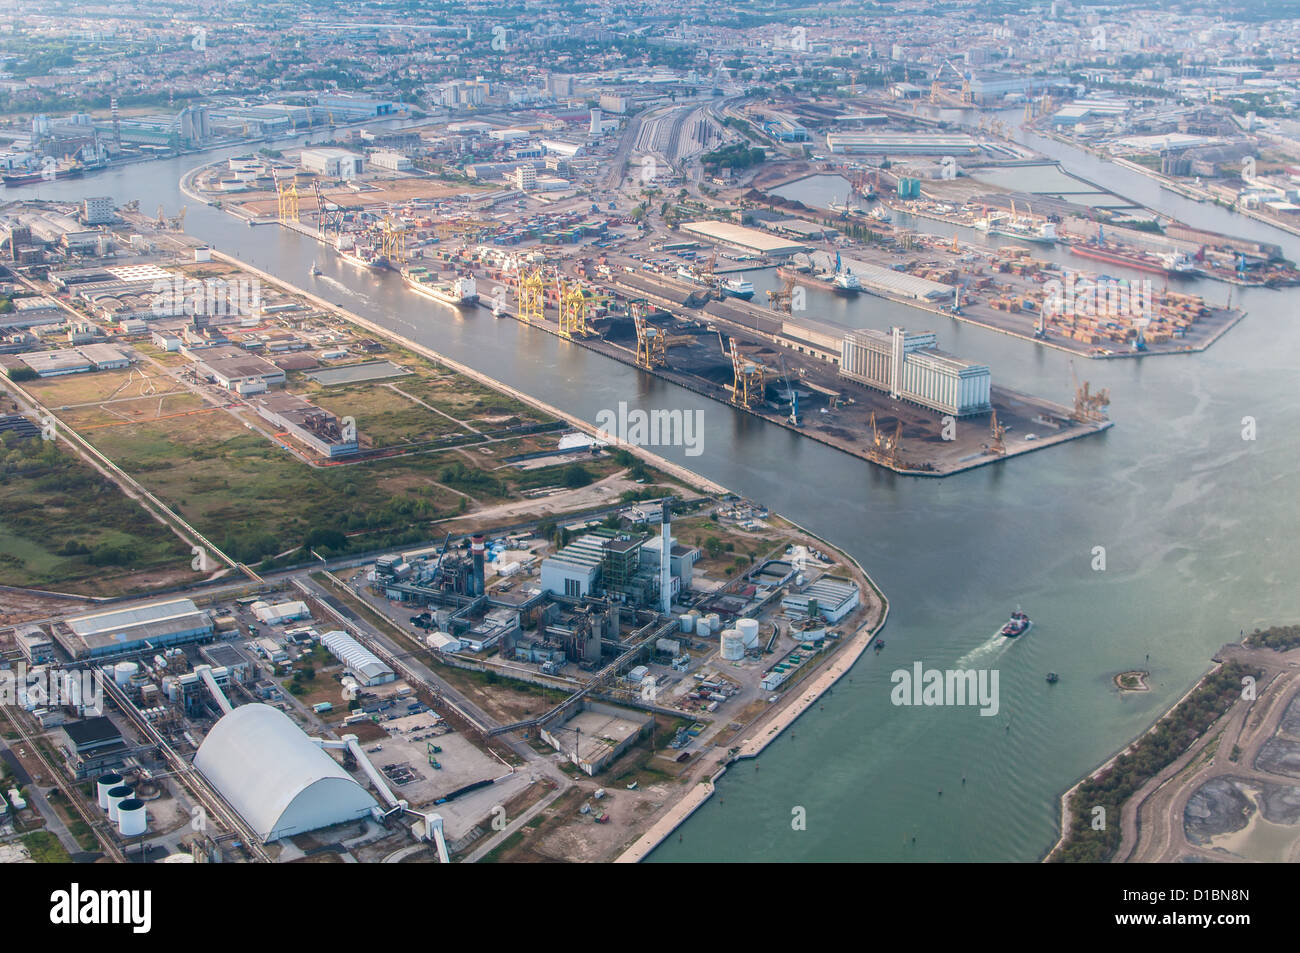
x: 748, y: 379
x: 531, y: 296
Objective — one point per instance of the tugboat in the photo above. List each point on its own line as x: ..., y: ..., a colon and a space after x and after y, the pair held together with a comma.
x: 1018, y: 624
x: 1052, y: 678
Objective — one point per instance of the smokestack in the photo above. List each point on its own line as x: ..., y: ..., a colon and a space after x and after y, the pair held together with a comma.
x: 476, y: 551
x: 666, y: 560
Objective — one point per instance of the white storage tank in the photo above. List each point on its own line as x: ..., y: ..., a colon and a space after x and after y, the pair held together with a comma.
x: 733, y: 647
x: 132, y: 819
x: 123, y: 672
x: 715, y: 622
x: 688, y: 623
x: 105, y: 784
x: 748, y: 629
x: 115, y: 797
x: 702, y: 626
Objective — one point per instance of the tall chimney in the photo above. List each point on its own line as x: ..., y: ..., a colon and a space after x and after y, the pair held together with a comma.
x: 476, y: 550
x: 666, y: 560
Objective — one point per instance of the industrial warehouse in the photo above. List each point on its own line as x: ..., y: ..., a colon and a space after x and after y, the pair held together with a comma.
x: 908, y: 366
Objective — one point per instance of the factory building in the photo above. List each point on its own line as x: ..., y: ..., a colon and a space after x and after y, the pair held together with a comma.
x: 314, y: 426
x: 391, y: 161
x: 575, y: 570
x: 908, y: 367
x: 333, y: 163
x: 745, y: 239
x: 833, y: 599
x: 120, y: 631
x: 362, y: 663
x: 901, y: 143
x: 278, y: 780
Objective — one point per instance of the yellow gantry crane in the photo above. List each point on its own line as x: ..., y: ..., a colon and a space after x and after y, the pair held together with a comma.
x: 651, y: 348
x: 393, y: 240
x: 286, y: 200
x: 573, y: 303
x: 531, y: 296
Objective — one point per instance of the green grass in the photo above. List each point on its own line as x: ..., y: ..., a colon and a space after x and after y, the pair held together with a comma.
x: 62, y: 524
x: 45, y: 848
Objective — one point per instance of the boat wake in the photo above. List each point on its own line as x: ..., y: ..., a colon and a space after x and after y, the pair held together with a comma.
x: 989, y: 650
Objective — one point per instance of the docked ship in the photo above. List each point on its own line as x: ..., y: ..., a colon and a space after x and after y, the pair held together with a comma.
x: 459, y: 292
x: 1027, y: 230
x: 1018, y: 624
x: 843, y: 208
x: 1175, y: 264
x: 48, y: 175
x: 687, y: 273
x: 846, y: 283
x: 738, y: 288
x: 366, y: 258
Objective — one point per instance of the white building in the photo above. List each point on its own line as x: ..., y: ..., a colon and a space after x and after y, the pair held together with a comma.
x: 334, y: 163
x: 391, y: 161
x: 278, y: 780
x: 361, y: 663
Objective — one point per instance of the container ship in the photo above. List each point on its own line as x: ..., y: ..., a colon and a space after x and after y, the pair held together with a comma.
x: 1018, y: 624
x: 459, y: 292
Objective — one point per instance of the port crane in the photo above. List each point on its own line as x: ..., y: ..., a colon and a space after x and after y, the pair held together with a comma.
x: 780, y: 300
x: 998, y: 431
x: 329, y: 216
x: 531, y: 296
x: 393, y: 240
x: 747, y: 381
x: 1088, y: 406
x: 286, y: 200
x: 884, y: 448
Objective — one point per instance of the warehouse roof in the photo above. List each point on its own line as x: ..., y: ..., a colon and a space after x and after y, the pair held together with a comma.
x: 354, y: 655
x: 277, y: 778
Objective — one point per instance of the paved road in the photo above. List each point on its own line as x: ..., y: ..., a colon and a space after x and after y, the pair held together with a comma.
x: 1153, y: 820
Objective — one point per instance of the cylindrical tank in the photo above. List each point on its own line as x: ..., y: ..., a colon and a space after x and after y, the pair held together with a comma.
x: 799, y: 579
x: 748, y: 629
x: 105, y: 784
x: 702, y: 626
x: 132, y: 817
x: 715, y: 622
x: 115, y: 797
x: 123, y: 671
x: 809, y: 630
x: 688, y: 623
x: 733, y: 647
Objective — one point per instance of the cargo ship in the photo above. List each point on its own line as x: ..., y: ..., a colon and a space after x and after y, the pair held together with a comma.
x: 1018, y: 624
x: 364, y: 258
x: 50, y: 175
x: 1042, y: 233
x: 846, y: 283
x: 1174, y: 264
x: 459, y: 292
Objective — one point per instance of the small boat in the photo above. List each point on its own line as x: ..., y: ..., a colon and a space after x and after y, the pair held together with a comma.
x: 1018, y: 624
x: 315, y: 269
x: 1052, y: 678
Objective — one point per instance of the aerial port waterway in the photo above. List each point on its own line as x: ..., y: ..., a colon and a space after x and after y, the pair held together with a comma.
x: 1199, y: 529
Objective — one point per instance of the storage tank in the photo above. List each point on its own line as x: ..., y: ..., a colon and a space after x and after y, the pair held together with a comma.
x: 105, y: 784
x: 688, y: 623
x: 131, y: 817
x: 124, y: 671
x: 702, y: 626
x: 115, y: 797
x: 748, y: 629
x: 715, y: 622
x: 733, y: 647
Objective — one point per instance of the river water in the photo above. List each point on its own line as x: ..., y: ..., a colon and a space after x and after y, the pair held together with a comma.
x: 1199, y: 529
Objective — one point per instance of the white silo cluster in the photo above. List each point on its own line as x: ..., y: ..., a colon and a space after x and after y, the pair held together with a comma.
x: 124, y: 809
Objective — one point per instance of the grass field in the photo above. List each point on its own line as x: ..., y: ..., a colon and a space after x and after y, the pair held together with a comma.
x: 64, y: 526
